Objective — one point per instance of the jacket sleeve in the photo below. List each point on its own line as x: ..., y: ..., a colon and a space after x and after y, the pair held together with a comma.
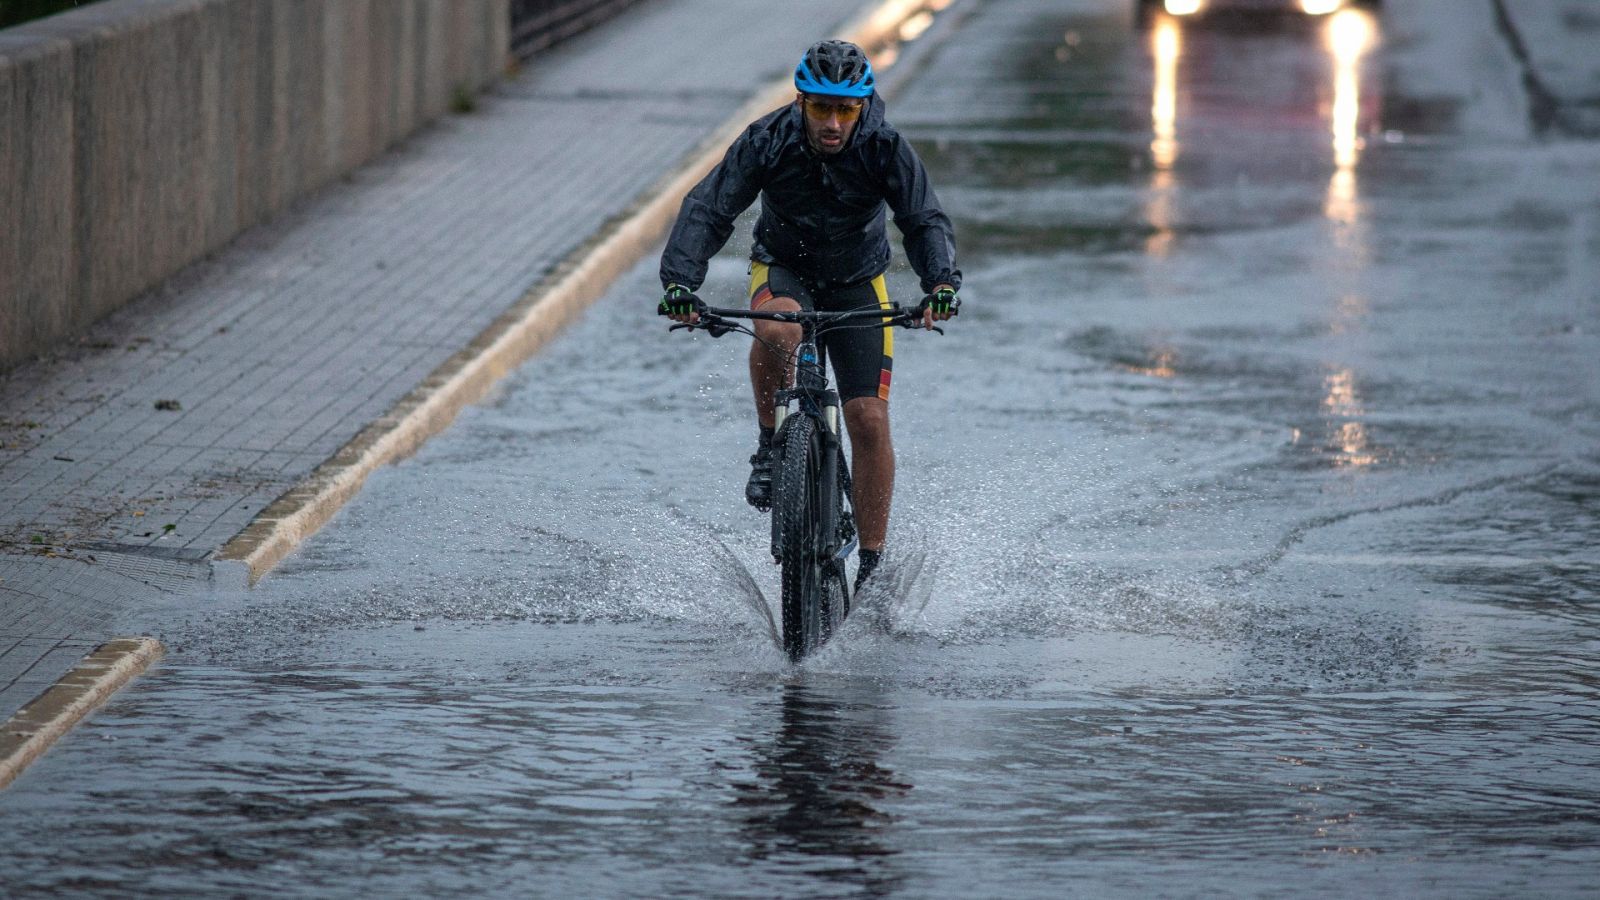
x: 705, y: 220
x: 930, y: 239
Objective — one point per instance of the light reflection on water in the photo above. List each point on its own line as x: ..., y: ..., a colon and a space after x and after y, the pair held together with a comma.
x: 1152, y: 640
x: 1166, y: 47
x: 1349, y: 36
x: 1348, y: 442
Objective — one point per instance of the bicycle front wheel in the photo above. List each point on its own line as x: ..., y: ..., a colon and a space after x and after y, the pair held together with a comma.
x: 797, y: 535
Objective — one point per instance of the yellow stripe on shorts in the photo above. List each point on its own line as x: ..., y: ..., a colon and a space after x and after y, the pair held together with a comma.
x: 882, y: 290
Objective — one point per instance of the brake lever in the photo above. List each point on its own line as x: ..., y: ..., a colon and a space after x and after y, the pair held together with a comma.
x: 916, y: 323
x: 709, y: 326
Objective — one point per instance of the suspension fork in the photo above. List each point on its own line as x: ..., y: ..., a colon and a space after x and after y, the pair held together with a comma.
x: 815, y: 400
x: 828, y: 477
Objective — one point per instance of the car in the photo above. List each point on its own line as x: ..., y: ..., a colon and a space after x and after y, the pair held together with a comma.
x: 1148, y: 9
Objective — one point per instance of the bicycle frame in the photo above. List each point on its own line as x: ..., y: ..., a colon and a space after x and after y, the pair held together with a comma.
x: 810, y: 389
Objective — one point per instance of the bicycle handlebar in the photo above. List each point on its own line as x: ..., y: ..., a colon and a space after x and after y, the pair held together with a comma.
x: 714, y: 319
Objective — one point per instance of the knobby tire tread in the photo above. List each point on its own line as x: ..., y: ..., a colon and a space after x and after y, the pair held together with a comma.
x: 794, y: 499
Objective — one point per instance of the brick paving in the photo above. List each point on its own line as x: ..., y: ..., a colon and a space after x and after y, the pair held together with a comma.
x: 129, y: 458
x: 52, y: 613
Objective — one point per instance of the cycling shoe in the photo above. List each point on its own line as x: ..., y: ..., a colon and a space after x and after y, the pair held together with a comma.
x: 758, y: 490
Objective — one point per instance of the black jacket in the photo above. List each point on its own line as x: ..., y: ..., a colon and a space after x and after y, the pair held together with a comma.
x: 821, y: 216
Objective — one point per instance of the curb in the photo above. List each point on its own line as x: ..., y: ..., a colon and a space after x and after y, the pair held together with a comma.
x: 29, y: 733
x: 511, y: 339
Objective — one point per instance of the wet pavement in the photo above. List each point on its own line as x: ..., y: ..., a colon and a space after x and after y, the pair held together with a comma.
x: 179, y: 429
x: 1245, y: 538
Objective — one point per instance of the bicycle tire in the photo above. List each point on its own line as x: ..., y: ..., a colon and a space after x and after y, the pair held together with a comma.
x: 797, y: 536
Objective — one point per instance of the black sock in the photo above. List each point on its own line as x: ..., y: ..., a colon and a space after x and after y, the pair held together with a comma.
x: 766, y: 437
x: 869, y: 561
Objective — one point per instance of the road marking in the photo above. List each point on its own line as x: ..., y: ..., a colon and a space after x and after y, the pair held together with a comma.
x: 29, y: 733
x: 544, y: 310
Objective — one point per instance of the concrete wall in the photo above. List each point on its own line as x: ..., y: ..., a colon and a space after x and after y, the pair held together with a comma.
x: 136, y: 136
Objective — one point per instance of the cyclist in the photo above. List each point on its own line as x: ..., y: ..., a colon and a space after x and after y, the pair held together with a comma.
x: 825, y: 168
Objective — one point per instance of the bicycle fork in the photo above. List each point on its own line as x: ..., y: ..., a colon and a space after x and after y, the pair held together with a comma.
x: 838, y: 537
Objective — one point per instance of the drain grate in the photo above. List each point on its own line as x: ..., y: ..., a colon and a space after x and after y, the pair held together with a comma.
x: 178, y: 569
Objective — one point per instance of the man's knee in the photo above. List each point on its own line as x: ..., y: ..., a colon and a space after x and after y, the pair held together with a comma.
x: 868, y: 421
x: 778, y: 303
x: 778, y: 332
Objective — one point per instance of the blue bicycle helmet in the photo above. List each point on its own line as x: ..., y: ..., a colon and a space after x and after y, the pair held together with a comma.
x: 834, y: 69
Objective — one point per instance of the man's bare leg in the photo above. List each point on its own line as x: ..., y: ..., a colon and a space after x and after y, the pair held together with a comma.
x: 770, y: 368
x: 872, y: 468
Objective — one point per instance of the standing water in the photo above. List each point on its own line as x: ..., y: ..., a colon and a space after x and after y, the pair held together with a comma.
x: 1244, y: 538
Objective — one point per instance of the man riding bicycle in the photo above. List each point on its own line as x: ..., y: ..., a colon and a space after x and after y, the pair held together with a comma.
x: 825, y: 168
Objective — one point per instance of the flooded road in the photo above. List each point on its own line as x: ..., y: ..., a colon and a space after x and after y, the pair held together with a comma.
x: 1244, y: 538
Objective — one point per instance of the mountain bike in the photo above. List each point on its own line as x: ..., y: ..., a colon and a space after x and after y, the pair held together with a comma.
x: 813, y: 525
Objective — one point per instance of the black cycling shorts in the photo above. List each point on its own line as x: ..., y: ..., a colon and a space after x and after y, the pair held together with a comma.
x: 863, y: 358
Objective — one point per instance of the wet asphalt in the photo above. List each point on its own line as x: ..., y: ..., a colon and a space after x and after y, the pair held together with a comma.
x: 1244, y: 541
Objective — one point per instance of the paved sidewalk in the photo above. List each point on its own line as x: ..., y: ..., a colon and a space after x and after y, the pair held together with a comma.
x: 128, y: 460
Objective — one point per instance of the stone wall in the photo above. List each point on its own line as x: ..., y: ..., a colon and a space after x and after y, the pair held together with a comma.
x: 136, y: 136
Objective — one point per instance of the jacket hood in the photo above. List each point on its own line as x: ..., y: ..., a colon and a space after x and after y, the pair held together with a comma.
x: 871, y: 119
